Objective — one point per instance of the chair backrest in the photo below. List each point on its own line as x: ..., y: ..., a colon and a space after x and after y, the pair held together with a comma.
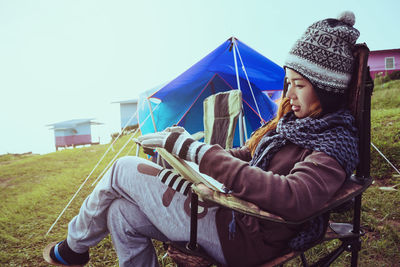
x: 359, y: 102
x: 221, y: 112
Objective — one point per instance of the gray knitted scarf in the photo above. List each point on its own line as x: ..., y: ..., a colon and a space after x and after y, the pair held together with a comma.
x: 333, y: 134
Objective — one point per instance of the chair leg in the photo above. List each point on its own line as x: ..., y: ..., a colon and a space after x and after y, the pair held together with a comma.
x: 356, y: 244
x: 192, y: 245
x: 354, y: 254
x: 331, y: 257
x: 303, y: 260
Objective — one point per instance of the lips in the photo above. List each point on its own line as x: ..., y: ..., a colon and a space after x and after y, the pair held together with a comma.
x: 295, y: 108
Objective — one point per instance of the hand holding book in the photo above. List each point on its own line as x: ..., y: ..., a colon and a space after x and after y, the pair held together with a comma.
x: 177, y: 142
x: 190, y: 171
x: 205, y: 186
x: 183, y: 153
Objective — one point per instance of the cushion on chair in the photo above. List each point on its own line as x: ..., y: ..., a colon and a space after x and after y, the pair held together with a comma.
x: 221, y: 112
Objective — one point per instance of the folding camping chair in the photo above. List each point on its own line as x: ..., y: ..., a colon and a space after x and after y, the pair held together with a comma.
x: 349, y: 234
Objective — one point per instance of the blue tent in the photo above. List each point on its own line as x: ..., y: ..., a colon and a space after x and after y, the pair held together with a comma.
x: 181, y: 100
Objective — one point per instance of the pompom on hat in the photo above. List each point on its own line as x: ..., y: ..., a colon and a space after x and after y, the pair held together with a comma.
x: 324, y: 55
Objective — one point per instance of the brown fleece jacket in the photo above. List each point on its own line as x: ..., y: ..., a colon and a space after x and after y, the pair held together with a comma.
x: 297, y: 184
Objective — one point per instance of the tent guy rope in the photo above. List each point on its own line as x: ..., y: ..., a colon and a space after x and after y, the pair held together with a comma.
x: 98, y: 163
x: 114, y: 158
x: 241, y: 115
x: 248, y: 81
x: 385, y: 158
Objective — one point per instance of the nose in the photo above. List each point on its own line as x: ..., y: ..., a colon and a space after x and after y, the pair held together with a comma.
x: 290, y: 92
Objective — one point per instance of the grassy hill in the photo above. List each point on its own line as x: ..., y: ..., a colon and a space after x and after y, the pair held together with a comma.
x: 385, y: 129
x: 35, y: 188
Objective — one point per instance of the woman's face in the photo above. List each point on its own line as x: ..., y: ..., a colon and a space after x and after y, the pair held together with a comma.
x: 301, y: 94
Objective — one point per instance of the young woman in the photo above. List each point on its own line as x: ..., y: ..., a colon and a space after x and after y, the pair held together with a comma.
x: 291, y: 167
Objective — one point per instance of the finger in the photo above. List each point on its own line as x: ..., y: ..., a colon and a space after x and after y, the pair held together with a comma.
x: 152, y: 143
x: 159, y: 135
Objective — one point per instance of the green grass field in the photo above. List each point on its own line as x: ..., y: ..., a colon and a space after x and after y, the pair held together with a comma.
x: 35, y: 188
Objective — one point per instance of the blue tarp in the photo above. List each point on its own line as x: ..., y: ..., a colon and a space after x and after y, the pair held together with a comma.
x: 182, y: 98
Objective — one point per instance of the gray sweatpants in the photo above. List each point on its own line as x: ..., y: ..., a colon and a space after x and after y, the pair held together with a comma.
x: 134, y: 206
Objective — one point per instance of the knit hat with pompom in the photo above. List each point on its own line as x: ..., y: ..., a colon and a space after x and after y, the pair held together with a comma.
x: 324, y: 55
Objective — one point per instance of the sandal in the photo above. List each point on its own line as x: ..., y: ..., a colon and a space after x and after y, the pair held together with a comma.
x: 52, y: 255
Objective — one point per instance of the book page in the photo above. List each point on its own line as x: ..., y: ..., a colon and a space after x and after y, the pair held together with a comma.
x: 190, y: 171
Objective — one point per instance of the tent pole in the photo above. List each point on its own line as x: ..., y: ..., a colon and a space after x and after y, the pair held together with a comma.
x: 152, y: 116
x: 241, y: 131
x: 154, y: 125
x: 245, y: 129
x: 248, y: 81
x: 241, y: 128
x: 236, y: 66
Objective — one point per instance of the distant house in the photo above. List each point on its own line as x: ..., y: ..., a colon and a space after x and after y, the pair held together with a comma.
x: 128, y: 110
x: 73, y: 132
x: 384, y: 61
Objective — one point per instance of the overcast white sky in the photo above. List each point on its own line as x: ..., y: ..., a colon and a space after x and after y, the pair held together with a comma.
x: 62, y: 60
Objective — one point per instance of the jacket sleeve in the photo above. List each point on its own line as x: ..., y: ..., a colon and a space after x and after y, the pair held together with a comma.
x: 242, y: 153
x: 308, y: 186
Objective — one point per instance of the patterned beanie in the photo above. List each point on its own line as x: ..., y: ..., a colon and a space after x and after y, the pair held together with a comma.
x: 324, y: 55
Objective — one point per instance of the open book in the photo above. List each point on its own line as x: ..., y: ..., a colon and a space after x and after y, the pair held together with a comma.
x: 190, y: 171
x: 219, y: 195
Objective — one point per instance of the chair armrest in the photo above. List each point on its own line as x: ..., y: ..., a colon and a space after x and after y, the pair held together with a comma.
x: 197, y: 136
x: 237, y: 204
x: 348, y: 191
